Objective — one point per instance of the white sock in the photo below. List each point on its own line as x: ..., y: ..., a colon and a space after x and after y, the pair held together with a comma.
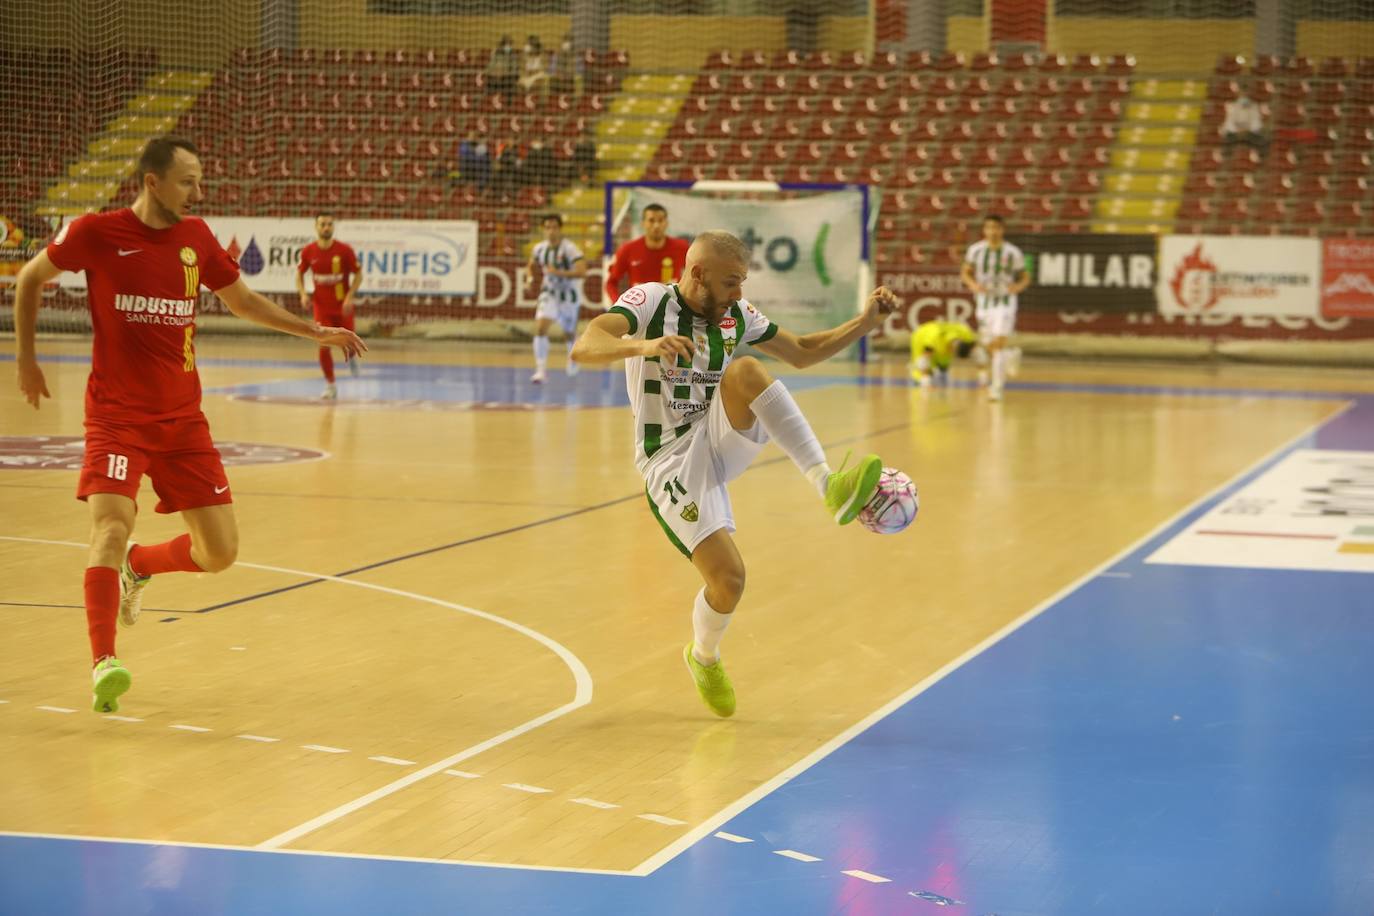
x: 541, y: 351
x: 999, y: 368
x: 783, y: 421
x: 708, y: 626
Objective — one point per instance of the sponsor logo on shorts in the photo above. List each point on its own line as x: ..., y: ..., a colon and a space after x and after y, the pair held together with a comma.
x: 219, y: 490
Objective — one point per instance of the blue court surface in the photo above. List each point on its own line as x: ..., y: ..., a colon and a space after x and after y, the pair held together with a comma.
x: 1160, y: 738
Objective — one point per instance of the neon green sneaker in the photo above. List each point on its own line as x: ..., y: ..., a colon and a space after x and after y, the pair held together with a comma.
x: 847, y: 492
x: 109, y: 679
x: 130, y: 591
x: 712, y: 683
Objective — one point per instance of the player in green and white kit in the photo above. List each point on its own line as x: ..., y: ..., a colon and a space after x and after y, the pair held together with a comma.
x: 994, y: 270
x: 701, y: 417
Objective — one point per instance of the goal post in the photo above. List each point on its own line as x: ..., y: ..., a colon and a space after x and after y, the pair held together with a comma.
x: 812, y: 243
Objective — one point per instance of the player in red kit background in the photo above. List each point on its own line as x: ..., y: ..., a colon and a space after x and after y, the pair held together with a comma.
x: 144, y: 268
x: 654, y: 257
x: 334, y: 268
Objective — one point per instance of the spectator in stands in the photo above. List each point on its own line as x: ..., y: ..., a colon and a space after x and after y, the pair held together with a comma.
x: 539, y: 166
x: 474, y: 163
x: 563, y: 69
x: 1244, y: 124
x: 534, y: 73
x: 507, y: 167
x: 584, y: 159
x: 503, y: 70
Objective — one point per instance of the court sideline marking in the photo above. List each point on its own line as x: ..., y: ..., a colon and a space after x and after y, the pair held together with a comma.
x: 711, y: 825
x: 582, y: 678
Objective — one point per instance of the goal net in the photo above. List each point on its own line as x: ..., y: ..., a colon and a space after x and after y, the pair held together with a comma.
x: 809, y: 268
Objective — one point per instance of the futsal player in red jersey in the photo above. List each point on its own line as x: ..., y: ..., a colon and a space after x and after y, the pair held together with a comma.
x: 144, y: 268
x: 337, y: 276
x: 654, y: 257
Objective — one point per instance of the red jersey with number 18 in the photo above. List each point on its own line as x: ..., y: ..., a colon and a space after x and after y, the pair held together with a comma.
x: 142, y: 286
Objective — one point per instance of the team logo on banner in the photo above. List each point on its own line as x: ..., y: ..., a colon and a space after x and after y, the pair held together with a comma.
x: 1195, y: 282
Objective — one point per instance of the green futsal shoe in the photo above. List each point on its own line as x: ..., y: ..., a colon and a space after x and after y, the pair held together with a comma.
x: 109, y: 680
x: 847, y: 492
x: 712, y: 683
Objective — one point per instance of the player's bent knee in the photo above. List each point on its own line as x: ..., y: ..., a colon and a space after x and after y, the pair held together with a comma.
x: 748, y: 372
x: 110, y: 533
x: 219, y: 557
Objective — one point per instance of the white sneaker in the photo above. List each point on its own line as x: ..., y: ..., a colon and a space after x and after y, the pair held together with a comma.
x: 130, y: 591
x: 994, y: 392
x: 573, y: 368
x: 538, y: 377
x: 330, y: 393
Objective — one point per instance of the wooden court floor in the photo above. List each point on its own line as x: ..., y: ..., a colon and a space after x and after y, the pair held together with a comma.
x: 493, y: 672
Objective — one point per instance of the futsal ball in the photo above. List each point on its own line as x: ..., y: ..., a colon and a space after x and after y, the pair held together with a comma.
x: 893, y: 505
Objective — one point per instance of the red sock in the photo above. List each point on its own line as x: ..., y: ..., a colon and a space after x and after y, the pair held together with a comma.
x: 170, y: 556
x: 327, y: 364
x: 102, y: 606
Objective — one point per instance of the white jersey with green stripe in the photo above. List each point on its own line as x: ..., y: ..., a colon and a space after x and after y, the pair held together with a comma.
x: 669, y: 400
x: 562, y: 256
x: 995, y: 269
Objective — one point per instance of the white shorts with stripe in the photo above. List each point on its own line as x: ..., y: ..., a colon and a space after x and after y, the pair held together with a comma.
x: 686, y: 483
x: 564, y: 313
x: 995, y: 321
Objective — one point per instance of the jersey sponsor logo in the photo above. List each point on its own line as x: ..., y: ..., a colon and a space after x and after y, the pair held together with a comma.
x: 634, y: 296
x: 188, y: 256
x: 675, y: 375
x: 727, y: 323
x: 687, y: 407
x: 152, y: 305
x: 329, y: 279
x: 124, y: 253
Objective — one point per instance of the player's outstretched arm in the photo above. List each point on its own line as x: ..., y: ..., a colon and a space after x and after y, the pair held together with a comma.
x: 809, y: 349
x: 28, y: 296
x: 604, y: 342
x: 257, y: 308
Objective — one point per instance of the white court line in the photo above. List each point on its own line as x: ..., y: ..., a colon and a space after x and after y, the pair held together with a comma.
x: 521, y: 787
x: 582, y: 695
x: 123, y: 718
x: 62, y: 709
x: 793, y: 854
x: 463, y: 774
x: 593, y: 803
x: 190, y: 728
x: 394, y: 761
x: 730, y: 837
x: 866, y: 876
x: 660, y: 819
x: 306, y: 853
x: 325, y: 749
x: 710, y: 825
x: 261, y: 738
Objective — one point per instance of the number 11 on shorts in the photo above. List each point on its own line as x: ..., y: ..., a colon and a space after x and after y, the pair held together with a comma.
x: 118, y: 467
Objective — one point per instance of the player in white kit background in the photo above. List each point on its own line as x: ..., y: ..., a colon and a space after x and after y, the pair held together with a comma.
x: 702, y: 415
x: 994, y: 270
x: 560, y: 267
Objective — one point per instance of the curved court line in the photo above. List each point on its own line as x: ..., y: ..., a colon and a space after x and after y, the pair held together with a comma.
x: 581, y: 677
x: 711, y: 824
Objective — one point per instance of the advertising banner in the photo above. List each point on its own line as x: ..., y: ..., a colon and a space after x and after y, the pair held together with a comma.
x: 1239, y: 275
x: 1105, y: 273
x: 1348, y: 278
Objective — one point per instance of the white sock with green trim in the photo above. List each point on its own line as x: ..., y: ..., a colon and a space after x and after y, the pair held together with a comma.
x: 541, y: 351
x: 783, y: 421
x: 708, y: 626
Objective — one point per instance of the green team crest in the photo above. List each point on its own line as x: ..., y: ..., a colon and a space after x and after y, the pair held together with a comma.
x: 689, y: 512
